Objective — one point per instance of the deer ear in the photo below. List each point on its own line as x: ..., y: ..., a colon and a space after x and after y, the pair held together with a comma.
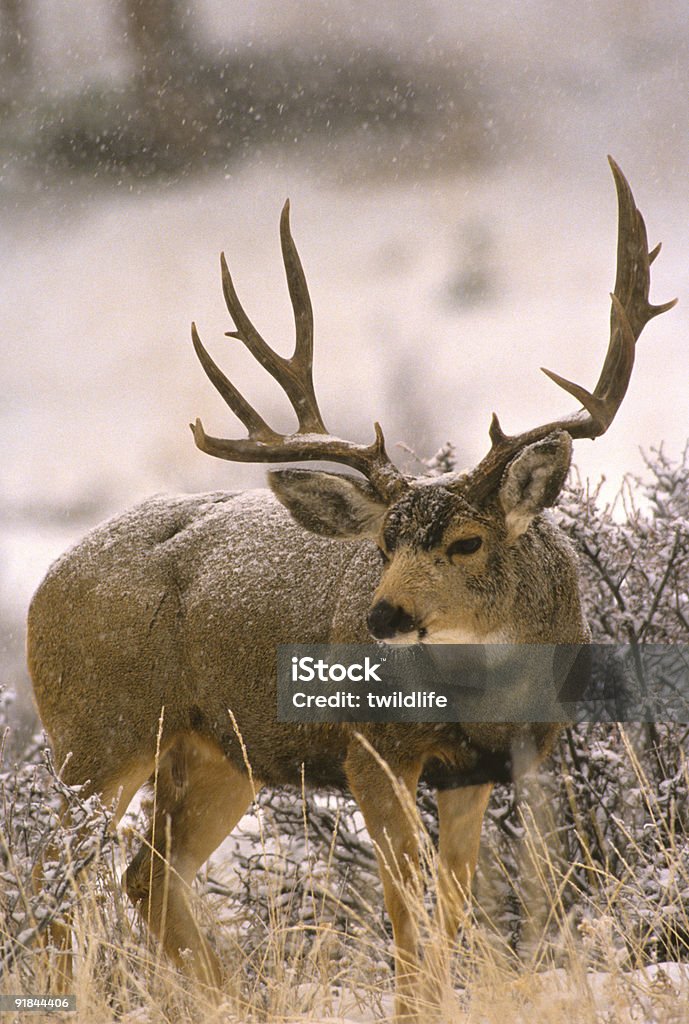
x: 330, y: 504
x: 533, y: 481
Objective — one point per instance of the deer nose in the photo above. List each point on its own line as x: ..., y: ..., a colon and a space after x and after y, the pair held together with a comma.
x: 385, y: 620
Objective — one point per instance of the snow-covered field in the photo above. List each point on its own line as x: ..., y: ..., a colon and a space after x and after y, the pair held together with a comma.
x: 101, y: 381
x: 556, y: 996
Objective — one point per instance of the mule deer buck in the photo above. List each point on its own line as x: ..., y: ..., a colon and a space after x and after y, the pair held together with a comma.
x: 171, y: 613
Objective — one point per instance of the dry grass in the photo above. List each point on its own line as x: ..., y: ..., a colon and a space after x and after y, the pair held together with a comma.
x: 318, y: 954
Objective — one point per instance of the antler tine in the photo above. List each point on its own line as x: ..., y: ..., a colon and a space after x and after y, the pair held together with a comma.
x: 257, y: 427
x: 295, y: 375
x: 633, y: 279
x: 298, y: 293
x: 630, y: 312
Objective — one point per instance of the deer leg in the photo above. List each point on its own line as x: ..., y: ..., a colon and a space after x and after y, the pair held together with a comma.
x: 200, y: 798
x: 460, y: 814
x: 389, y: 811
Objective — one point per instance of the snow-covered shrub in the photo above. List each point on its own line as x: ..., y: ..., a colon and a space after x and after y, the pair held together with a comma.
x: 42, y: 822
x: 616, y: 832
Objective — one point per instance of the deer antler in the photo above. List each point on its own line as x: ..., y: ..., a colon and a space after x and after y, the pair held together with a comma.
x: 629, y: 314
x: 311, y: 441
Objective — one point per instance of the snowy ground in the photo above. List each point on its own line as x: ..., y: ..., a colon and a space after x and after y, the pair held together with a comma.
x: 552, y: 996
x: 555, y: 996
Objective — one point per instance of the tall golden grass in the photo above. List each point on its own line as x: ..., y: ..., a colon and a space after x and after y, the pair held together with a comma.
x: 332, y: 962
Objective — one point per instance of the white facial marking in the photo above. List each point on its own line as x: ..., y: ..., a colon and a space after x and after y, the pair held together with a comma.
x: 402, y: 639
x: 465, y: 636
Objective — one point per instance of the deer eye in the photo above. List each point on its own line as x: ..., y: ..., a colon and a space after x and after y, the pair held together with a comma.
x: 464, y: 546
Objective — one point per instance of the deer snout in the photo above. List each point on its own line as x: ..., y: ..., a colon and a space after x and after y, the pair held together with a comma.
x: 386, y: 620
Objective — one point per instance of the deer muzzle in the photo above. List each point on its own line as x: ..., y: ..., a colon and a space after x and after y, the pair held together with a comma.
x: 386, y: 620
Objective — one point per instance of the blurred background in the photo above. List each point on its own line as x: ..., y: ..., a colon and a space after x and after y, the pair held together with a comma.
x: 455, y: 214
